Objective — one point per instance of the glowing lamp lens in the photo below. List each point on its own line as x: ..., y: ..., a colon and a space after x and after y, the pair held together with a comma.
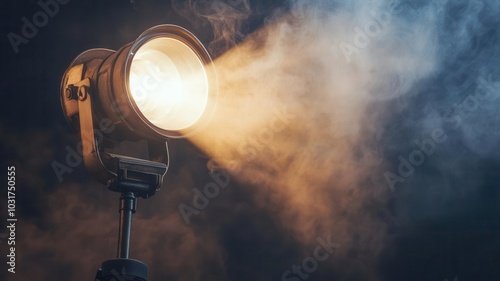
x: 168, y: 84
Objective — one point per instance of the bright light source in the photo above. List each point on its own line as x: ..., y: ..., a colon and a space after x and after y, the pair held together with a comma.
x: 169, y: 84
x: 162, y: 85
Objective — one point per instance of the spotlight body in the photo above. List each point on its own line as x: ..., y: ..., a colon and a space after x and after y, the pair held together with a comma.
x: 160, y: 86
x: 164, y: 80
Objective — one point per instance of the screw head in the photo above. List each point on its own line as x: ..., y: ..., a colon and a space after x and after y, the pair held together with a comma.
x: 68, y: 93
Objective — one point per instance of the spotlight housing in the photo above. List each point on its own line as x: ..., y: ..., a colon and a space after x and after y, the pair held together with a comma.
x: 160, y: 86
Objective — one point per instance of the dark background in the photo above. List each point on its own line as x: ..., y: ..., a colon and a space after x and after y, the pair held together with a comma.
x: 443, y: 235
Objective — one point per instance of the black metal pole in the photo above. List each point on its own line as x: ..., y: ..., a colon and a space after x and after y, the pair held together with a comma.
x: 128, y: 206
x: 124, y: 268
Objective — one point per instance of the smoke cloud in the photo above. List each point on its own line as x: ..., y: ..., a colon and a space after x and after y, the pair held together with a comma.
x: 315, y: 107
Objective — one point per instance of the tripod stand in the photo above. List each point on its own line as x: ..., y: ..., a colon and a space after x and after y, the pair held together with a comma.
x: 136, y: 177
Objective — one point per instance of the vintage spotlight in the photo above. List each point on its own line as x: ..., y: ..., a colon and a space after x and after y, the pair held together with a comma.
x: 160, y: 86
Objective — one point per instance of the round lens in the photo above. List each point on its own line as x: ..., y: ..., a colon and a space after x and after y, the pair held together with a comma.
x: 168, y: 84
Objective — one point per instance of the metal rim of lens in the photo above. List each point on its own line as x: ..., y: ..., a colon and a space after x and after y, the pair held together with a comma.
x: 190, y: 40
